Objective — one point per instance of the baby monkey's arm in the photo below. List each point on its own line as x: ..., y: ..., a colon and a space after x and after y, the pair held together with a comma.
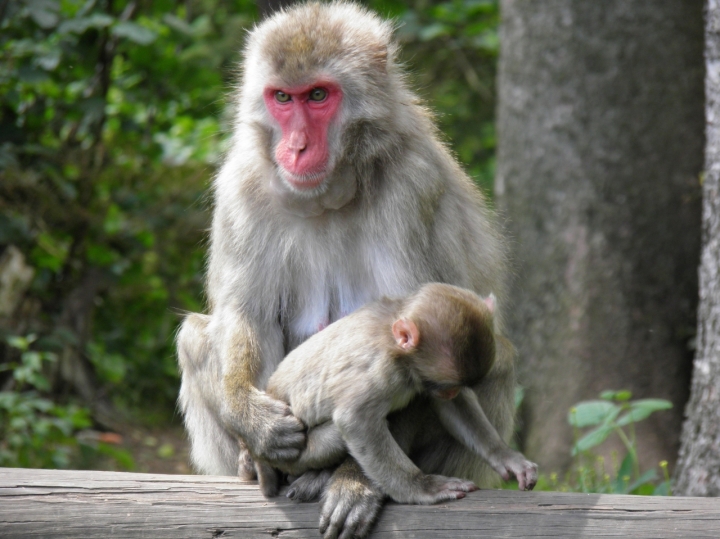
x: 466, y: 421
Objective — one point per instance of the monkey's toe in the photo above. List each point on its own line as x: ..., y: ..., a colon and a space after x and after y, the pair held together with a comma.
x: 309, y: 486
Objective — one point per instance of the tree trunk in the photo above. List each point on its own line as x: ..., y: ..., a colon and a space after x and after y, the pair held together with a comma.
x: 600, y: 141
x: 698, y: 471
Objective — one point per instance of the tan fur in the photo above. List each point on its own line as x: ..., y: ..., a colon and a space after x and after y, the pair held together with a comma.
x: 395, y: 211
x: 345, y: 380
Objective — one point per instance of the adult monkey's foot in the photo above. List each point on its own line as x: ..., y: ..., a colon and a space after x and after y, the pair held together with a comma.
x: 350, y: 504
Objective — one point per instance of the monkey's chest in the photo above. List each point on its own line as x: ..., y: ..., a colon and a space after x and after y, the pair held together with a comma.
x: 321, y: 304
x: 333, y: 287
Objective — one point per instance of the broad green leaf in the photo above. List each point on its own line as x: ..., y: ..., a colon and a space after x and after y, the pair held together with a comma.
x: 43, y: 12
x: 21, y: 343
x: 592, y: 439
x: 641, y: 409
x: 82, y: 24
x: 590, y: 413
x: 488, y: 41
x: 48, y: 61
x: 177, y: 23
x: 134, y: 32
x: 433, y: 31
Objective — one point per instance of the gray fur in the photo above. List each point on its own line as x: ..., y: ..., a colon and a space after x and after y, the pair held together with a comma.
x: 344, y: 381
x: 397, y: 211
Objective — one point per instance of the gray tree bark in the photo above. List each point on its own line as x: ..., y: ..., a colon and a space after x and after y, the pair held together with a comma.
x: 600, y: 145
x: 698, y: 470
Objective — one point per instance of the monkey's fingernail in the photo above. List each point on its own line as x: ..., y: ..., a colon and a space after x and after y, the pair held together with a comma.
x: 291, y: 493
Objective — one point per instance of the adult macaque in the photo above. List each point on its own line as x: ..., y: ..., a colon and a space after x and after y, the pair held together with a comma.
x: 344, y: 381
x: 335, y: 192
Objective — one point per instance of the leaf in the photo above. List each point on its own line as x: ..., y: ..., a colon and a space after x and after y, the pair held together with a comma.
x: 592, y: 439
x: 590, y: 413
x: 43, y: 12
x: 21, y: 343
x: 663, y: 489
x: 648, y: 477
x: 622, y: 395
x: 166, y: 451
x: 641, y: 409
x: 101, y: 255
x: 81, y: 24
x: 488, y: 41
x: 646, y: 489
x: 625, y: 471
x: 433, y: 31
x: 31, y: 75
x: 49, y: 61
x: 176, y: 23
x: 134, y: 32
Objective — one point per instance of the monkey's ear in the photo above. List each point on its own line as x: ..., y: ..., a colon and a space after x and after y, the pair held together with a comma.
x: 406, y: 334
x: 491, y: 302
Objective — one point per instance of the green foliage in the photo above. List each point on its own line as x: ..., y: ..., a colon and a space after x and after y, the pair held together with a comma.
x: 111, y: 123
x: 451, y: 48
x: 594, y: 421
x: 36, y: 432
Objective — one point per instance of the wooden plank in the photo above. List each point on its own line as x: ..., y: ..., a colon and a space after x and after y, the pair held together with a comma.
x: 73, y: 504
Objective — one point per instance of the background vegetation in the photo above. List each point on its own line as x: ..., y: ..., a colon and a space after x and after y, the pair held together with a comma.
x: 113, y: 116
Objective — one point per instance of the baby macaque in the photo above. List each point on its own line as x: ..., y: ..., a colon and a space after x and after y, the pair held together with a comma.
x: 344, y: 381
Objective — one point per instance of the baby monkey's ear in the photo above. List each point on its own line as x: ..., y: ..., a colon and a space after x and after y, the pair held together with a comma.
x: 491, y: 302
x: 406, y: 334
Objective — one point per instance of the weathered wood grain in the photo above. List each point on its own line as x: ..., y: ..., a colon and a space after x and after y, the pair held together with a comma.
x: 74, y: 504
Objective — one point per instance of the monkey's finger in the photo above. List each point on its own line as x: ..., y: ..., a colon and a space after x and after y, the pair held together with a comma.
x: 361, y: 518
x: 460, y: 485
x: 308, y: 486
x: 335, y: 522
x: 521, y: 482
x: 526, y: 475
x: 530, y: 479
x: 291, y: 423
x: 282, y: 455
x: 339, y: 516
x: 349, y: 527
x: 328, y: 501
x: 366, y: 523
x: 503, y: 470
x: 448, y: 495
x: 295, y: 440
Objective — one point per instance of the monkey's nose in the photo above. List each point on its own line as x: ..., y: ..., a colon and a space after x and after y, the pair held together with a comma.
x: 297, y: 143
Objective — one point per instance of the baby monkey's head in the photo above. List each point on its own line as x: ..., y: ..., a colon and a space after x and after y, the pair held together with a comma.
x: 446, y: 336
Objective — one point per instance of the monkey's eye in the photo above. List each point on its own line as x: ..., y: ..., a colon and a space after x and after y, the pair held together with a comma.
x: 282, y: 97
x: 317, y: 94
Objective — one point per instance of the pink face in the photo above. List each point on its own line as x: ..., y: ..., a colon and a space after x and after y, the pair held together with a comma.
x: 304, y: 114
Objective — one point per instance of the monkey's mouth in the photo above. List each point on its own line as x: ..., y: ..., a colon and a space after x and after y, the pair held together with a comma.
x: 303, y: 182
